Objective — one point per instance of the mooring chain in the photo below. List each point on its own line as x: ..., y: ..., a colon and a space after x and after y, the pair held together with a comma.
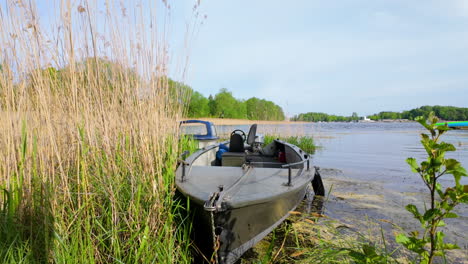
x: 210, y: 206
x: 214, y: 256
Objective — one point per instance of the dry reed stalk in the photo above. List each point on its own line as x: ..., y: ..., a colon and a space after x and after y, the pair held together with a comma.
x: 88, y: 126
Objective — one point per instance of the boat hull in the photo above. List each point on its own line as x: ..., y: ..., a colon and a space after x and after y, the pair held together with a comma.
x: 239, y: 229
x: 235, y: 207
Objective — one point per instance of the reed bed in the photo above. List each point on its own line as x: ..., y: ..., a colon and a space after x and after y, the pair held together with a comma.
x: 88, y: 136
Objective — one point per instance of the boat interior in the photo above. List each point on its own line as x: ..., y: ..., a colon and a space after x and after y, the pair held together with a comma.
x: 249, y: 149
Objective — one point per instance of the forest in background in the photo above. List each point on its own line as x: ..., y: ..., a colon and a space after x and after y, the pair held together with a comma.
x: 225, y: 105
x: 316, y: 117
x: 221, y: 105
x: 449, y: 113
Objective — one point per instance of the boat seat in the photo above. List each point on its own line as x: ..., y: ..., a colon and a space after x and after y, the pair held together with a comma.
x: 236, y: 143
x: 233, y: 159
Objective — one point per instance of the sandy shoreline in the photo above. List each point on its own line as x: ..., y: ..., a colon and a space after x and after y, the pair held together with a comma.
x: 229, y: 121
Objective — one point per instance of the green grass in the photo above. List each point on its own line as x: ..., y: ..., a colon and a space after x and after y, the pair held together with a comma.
x: 108, y: 218
x: 306, y: 143
x: 88, y: 137
x: 306, y: 238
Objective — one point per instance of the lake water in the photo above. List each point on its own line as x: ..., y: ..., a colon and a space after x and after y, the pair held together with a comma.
x: 369, y: 151
x: 364, y: 166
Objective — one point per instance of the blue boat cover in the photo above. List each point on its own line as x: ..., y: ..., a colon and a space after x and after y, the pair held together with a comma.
x: 210, y: 132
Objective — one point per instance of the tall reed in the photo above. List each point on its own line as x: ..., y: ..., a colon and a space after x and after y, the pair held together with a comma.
x: 88, y: 138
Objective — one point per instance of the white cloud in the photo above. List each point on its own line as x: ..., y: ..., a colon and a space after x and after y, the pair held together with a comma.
x: 330, y: 57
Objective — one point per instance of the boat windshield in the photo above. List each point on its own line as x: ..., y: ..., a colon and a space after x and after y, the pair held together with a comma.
x: 193, y: 129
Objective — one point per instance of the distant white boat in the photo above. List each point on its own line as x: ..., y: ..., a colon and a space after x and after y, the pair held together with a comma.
x: 366, y: 120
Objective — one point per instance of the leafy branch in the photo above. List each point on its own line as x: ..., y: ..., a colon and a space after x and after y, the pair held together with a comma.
x: 431, y: 243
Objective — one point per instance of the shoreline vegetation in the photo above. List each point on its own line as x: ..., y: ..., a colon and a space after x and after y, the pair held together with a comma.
x: 445, y: 113
x: 88, y: 138
x: 225, y: 105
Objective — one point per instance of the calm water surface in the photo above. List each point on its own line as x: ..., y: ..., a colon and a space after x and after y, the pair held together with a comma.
x: 369, y: 151
x: 365, y: 165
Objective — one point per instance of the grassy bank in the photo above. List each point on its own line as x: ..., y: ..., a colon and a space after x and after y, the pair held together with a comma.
x: 88, y: 141
x: 315, y: 238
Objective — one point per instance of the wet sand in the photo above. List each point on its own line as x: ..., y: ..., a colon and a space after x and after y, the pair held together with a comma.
x: 355, y: 202
x: 353, y: 212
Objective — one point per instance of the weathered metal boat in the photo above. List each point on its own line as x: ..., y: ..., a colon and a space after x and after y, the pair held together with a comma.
x: 241, y: 190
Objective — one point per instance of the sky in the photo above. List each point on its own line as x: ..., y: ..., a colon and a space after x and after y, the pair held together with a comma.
x: 336, y: 57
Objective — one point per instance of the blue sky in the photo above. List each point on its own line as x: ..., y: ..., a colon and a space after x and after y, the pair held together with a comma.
x: 337, y: 57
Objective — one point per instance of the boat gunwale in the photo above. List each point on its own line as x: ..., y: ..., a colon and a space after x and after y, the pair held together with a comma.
x: 231, y: 189
x: 230, y: 205
x: 197, y: 154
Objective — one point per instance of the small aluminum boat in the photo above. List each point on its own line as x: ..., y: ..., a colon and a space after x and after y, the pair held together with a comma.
x: 241, y: 190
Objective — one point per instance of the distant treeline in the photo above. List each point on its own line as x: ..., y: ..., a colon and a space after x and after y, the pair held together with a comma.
x: 225, y: 105
x: 316, y: 117
x: 443, y: 112
x: 222, y: 104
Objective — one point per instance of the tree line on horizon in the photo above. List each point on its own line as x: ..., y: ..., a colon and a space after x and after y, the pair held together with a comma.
x: 221, y: 105
x: 225, y: 105
x: 449, y: 113
x: 322, y: 117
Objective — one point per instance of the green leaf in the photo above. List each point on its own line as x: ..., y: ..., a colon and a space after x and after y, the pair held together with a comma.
x: 443, y: 128
x: 460, y: 171
x: 451, y: 193
x: 430, y: 214
x: 439, y: 238
x: 451, y: 164
x: 413, y: 164
x: 437, y: 162
x: 441, y: 223
x: 425, y: 137
x: 414, y: 210
x: 438, y: 187
x: 450, y: 246
x: 402, y: 239
x: 444, y: 146
x: 464, y: 198
x: 451, y: 215
x: 422, y: 121
x: 444, y: 205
